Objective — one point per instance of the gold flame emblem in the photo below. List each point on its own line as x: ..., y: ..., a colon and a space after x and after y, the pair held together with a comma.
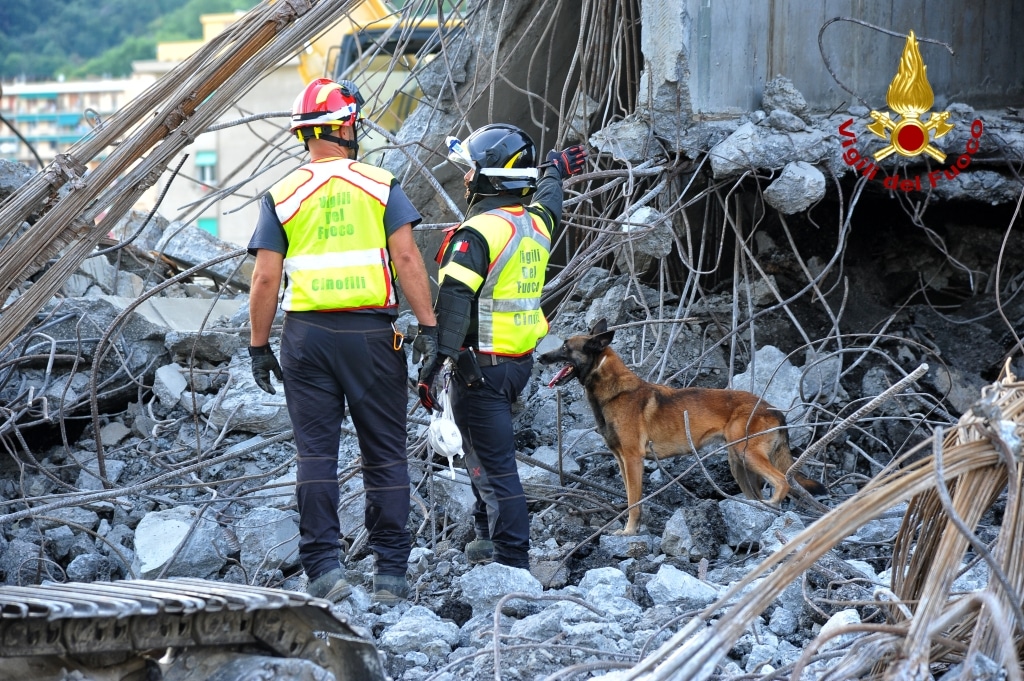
x: 910, y: 95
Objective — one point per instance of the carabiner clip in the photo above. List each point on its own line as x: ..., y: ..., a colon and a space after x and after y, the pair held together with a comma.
x: 399, y: 338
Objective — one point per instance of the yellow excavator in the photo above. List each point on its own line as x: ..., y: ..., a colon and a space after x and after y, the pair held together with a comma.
x: 362, y: 47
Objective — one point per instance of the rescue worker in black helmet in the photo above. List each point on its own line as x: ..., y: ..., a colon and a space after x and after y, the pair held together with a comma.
x: 341, y: 232
x: 489, y: 318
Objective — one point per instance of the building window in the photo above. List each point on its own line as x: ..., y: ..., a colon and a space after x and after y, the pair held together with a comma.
x: 208, y: 225
x: 206, y: 167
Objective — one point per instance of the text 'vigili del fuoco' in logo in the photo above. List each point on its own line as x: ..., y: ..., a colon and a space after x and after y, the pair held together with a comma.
x: 909, y: 135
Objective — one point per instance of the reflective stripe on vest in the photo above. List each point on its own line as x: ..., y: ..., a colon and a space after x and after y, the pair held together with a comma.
x: 332, y: 211
x: 510, y: 319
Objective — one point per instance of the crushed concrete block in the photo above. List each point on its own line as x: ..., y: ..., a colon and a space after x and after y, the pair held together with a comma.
x: 583, y: 109
x: 630, y: 140
x: 192, y: 246
x: 653, y: 241
x: 208, y: 346
x: 751, y: 147
x: 145, y: 235
x: 161, y: 534
x: 797, y: 188
x: 785, y: 121
x: 781, y: 95
x: 169, y: 384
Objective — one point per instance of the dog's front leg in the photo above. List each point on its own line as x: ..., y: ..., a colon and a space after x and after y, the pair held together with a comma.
x: 631, y: 467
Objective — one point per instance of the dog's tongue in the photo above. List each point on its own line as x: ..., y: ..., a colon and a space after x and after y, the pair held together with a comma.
x: 562, y: 373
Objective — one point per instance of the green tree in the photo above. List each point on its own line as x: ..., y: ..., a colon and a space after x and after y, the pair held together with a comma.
x: 116, y: 62
x: 40, y: 39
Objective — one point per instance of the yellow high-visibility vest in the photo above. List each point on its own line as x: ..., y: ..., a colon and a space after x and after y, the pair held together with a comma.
x: 509, y: 314
x: 332, y: 211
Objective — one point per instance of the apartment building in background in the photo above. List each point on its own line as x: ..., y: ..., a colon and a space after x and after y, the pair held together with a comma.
x: 226, y: 169
x: 52, y: 116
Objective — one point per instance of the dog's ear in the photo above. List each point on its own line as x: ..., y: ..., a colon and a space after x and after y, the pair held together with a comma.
x: 600, y: 326
x: 599, y: 342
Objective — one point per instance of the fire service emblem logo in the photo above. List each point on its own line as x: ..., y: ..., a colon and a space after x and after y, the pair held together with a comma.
x: 910, y: 95
x: 909, y: 135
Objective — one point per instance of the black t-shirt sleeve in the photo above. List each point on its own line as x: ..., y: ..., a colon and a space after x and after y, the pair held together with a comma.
x: 549, y: 197
x: 269, y: 232
x: 399, y: 210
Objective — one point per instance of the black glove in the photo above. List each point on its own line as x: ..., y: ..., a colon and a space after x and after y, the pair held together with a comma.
x: 568, y: 161
x: 424, y: 347
x: 425, y: 388
x: 263, y: 363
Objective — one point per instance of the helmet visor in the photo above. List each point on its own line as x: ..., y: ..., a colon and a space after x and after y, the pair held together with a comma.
x: 457, y: 153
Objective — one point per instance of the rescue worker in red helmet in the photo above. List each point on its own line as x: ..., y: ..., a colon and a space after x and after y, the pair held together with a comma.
x: 489, y: 318
x: 339, y: 233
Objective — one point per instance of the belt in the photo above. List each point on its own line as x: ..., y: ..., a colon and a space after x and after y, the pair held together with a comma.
x: 490, y: 360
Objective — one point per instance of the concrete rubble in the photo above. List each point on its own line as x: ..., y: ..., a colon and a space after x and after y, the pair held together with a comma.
x: 191, y: 397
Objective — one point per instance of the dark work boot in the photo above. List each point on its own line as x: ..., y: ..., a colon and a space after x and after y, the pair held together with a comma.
x: 480, y: 551
x: 330, y: 585
x: 390, y: 589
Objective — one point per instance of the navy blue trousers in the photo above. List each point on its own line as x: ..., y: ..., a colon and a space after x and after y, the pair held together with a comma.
x: 328, y: 359
x: 484, y: 416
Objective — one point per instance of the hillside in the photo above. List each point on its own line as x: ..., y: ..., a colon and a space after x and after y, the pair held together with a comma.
x: 50, y: 39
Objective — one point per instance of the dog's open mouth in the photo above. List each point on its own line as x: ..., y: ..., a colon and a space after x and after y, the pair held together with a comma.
x: 563, y: 376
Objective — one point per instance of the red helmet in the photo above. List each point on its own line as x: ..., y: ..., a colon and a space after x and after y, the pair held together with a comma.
x: 324, y: 102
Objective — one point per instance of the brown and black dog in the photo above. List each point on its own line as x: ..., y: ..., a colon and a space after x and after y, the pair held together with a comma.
x: 633, y: 414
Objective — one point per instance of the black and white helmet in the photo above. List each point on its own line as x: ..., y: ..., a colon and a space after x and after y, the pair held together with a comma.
x: 503, y: 156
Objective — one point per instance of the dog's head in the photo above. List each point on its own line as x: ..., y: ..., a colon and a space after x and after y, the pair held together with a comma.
x: 578, y: 354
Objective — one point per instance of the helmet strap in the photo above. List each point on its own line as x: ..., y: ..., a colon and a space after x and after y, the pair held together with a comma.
x: 341, y: 141
x: 319, y: 134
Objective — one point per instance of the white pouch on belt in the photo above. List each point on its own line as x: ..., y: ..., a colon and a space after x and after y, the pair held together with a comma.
x: 443, y: 435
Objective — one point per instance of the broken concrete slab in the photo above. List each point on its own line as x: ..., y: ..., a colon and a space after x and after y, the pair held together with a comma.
x: 243, y: 406
x: 191, y: 246
x: 177, y: 314
x: 89, y: 475
x: 178, y: 534
x: 752, y: 146
x: 143, y: 231
x: 109, y: 279
x: 204, y: 346
x: 269, y: 539
x: 630, y: 140
x: 169, y: 384
x: 774, y: 377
